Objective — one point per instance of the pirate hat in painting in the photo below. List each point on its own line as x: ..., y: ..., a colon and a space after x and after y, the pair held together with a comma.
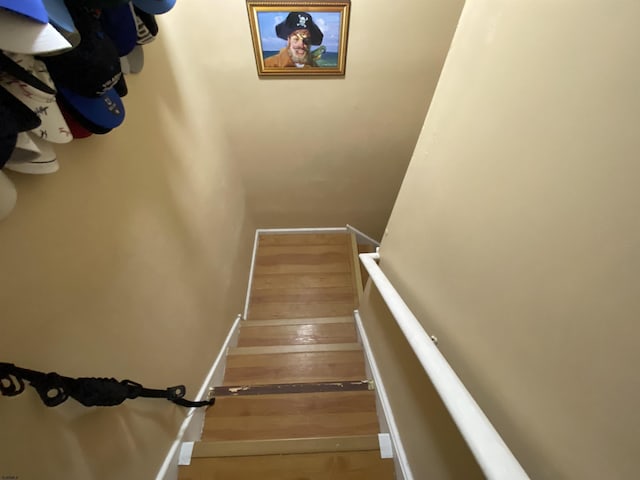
x: 299, y: 21
x: 28, y: 80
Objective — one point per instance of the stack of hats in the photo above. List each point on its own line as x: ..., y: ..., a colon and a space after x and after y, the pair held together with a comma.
x: 62, y: 75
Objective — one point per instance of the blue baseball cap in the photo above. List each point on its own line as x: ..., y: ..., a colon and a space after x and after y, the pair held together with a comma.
x: 34, y: 9
x: 105, y: 112
x: 60, y: 18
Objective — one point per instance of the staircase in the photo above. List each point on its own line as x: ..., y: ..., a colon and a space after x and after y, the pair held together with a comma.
x: 295, y: 403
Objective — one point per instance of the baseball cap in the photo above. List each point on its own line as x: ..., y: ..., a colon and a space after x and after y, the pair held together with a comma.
x: 26, y: 28
x: 9, y: 65
x: 7, y: 146
x: 15, y: 116
x: 98, y: 115
x: 93, y: 67
x: 60, y: 18
x: 100, y: 3
x: 33, y: 155
x: 8, y: 196
x: 77, y: 130
x: 155, y: 7
x: 53, y: 127
x: 146, y: 25
x: 86, y: 76
x: 133, y: 62
x: 119, y: 23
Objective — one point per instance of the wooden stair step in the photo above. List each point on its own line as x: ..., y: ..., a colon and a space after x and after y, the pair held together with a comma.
x: 292, y: 415
x: 270, y: 239
x: 278, y: 388
x: 275, y: 349
x: 294, y: 367
x: 234, y: 448
x: 350, y: 465
x: 256, y: 322
x: 297, y: 334
x: 301, y: 310
x: 301, y: 280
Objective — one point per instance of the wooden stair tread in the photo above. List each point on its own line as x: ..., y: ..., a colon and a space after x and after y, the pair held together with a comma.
x: 298, y: 334
x: 281, y: 388
x: 294, y: 367
x: 270, y: 239
x: 300, y: 310
x: 256, y: 322
x: 301, y: 280
x: 276, y: 349
x: 279, y: 446
x: 292, y: 415
x: 349, y: 465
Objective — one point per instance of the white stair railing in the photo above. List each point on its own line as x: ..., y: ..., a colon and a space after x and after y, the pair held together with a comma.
x: 492, y: 454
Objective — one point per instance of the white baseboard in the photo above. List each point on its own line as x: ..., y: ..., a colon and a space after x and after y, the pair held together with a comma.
x: 387, y: 421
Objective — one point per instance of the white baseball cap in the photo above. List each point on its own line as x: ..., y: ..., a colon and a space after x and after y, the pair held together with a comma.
x: 26, y: 28
x: 53, y: 127
x: 32, y: 155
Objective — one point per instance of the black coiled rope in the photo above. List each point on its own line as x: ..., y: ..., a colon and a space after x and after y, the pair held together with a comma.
x: 105, y: 392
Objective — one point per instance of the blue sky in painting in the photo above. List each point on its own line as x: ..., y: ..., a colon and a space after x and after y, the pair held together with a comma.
x: 328, y: 22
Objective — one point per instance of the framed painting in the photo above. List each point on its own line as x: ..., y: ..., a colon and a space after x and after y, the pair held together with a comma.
x: 299, y: 38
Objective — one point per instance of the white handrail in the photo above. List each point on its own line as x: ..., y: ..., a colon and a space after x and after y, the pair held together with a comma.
x: 494, y: 457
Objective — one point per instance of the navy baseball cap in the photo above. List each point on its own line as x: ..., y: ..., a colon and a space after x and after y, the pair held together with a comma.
x: 147, y: 26
x: 93, y: 67
x: 15, y: 116
x: 120, y: 24
x: 155, y: 7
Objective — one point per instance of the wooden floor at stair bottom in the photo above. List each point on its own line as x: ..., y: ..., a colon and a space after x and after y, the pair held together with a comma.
x: 311, y: 466
x: 306, y: 275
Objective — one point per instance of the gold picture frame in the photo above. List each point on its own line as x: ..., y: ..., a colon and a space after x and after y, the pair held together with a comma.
x: 299, y: 38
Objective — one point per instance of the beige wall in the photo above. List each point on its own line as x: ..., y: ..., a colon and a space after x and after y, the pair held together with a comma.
x: 130, y: 262
x: 515, y: 234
